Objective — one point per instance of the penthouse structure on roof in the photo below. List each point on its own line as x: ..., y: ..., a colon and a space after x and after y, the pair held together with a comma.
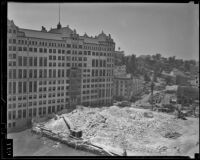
x: 42, y: 65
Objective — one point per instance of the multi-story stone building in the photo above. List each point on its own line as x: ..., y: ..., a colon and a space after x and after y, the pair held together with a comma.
x: 137, y: 86
x: 118, y: 57
x: 127, y: 86
x: 122, y: 87
x: 119, y: 71
x: 43, y: 64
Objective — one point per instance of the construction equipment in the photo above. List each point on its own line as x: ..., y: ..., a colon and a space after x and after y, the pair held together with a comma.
x: 76, y: 134
x: 73, y: 133
x: 68, y: 126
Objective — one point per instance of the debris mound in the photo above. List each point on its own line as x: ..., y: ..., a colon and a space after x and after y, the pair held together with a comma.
x: 148, y: 114
x: 56, y: 125
x: 172, y: 135
x: 126, y: 128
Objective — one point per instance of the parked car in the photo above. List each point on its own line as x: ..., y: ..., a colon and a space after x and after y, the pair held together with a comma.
x: 116, y: 103
x: 124, y: 104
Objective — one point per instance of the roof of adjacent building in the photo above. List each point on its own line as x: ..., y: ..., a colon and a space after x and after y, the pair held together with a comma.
x: 40, y: 34
x: 172, y: 88
x: 167, y: 74
x: 177, y: 72
x: 63, y: 30
x: 60, y: 32
x: 89, y: 39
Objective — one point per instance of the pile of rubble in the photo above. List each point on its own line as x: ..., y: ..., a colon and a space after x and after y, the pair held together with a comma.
x: 134, y: 129
x: 56, y: 125
x: 123, y: 126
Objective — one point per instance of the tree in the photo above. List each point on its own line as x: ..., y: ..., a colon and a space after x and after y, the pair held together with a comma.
x: 187, y: 66
x: 179, y: 63
x: 146, y: 78
x: 172, y: 59
x: 131, y: 64
x: 158, y: 56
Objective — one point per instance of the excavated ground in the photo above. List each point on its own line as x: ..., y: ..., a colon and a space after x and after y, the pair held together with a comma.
x: 139, y: 131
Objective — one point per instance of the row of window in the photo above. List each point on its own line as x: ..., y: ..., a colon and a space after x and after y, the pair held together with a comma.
x: 12, y: 88
x: 52, y: 73
x: 51, y: 82
x: 96, y: 85
x: 32, y: 112
x: 134, y: 83
x: 12, y: 31
x: 89, y: 53
x: 54, y: 64
x: 54, y: 57
x: 98, y: 63
x: 99, y: 73
x: 35, y: 103
x: 101, y: 93
x: 53, y: 89
x: 31, y: 61
x: 99, y: 48
x: 23, y: 87
x: 13, y: 98
x: 40, y: 96
x: 12, y: 63
x: 11, y: 124
x: 42, y: 43
x: 97, y: 80
x: 33, y: 73
x: 12, y: 56
x: 59, y: 51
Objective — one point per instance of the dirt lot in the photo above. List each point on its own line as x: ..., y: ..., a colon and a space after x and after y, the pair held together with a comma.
x: 139, y: 131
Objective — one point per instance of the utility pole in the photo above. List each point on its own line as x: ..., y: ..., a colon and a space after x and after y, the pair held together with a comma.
x: 152, y: 88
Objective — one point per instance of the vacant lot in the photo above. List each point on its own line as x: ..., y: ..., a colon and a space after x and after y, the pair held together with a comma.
x: 139, y: 131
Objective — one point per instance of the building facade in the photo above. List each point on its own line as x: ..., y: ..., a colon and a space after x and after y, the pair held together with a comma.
x: 138, y: 86
x: 118, y: 57
x: 41, y: 66
x: 195, y: 82
x: 119, y: 71
x: 122, y: 87
x: 125, y: 87
x: 75, y: 86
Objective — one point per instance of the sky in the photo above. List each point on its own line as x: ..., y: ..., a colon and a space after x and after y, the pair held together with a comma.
x: 137, y: 28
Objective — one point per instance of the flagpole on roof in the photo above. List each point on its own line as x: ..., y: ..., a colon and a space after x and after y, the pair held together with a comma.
x: 59, y: 12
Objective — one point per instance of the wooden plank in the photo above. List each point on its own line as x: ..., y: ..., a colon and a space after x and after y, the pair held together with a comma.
x: 106, y: 149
